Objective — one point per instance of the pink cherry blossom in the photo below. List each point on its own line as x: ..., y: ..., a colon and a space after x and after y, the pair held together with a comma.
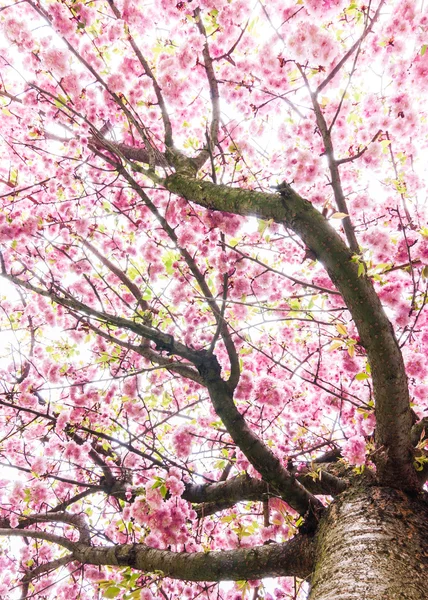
x: 214, y: 246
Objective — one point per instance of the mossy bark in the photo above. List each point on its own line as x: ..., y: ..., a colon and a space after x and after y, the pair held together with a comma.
x: 372, y: 545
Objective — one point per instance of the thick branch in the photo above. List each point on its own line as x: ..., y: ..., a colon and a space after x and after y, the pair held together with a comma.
x: 274, y: 560
x: 131, y: 153
x: 140, y: 154
x: 155, y: 357
x: 293, y: 558
x: 215, y: 497
x: 242, y: 487
x: 212, y: 498
x: 76, y: 520
x: 394, y: 456
x: 261, y: 457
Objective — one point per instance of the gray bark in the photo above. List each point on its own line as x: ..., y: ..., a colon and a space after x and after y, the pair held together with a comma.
x: 373, y: 545
x: 292, y: 558
x: 272, y: 560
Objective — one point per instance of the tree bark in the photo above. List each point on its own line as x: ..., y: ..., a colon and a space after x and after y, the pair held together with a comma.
x: 272, y: 560
x: 292, y: 558
x: 372, y: 545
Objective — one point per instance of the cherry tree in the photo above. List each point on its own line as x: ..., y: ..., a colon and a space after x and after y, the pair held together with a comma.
x: 214, y: 262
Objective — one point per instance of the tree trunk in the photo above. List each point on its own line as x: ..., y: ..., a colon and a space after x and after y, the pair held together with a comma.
x: 373, y: 545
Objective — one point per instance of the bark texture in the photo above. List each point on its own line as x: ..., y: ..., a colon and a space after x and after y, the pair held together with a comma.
x: 373, y: 545
x: 272, y: 560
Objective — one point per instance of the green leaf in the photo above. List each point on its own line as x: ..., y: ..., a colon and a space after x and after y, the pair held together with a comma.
x: 294, y: 303
x: 336, y: 344
x: 227, y: 518
x: 158, y: 483
x: 104, y: 358
x: 361, y: 269
x: 424, y: 49
x: 341, y: 329
x: 220, y: 464
x: 252, y: 24
x: 168, y: 260
x: 420, y: 462
x: 136, y: 595
x: 112, y: 592
x: 400, y: 186
x: 361, y: 376
x: 263, y: 225
x: 13, y: 176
